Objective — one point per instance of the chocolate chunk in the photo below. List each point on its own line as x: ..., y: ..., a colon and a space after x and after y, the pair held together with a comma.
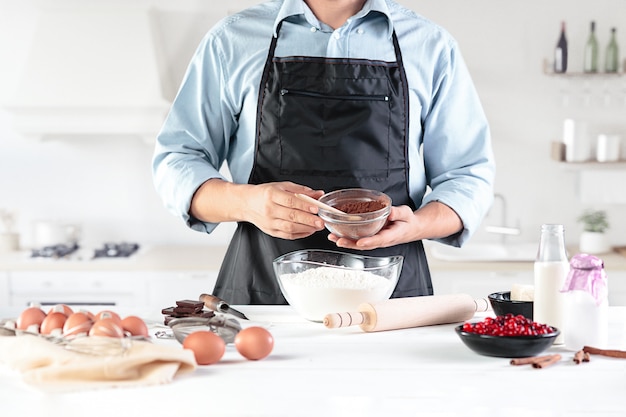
x: 186, y: 310
x: 205, y: 314
x: 175, y: 313
x: 168, y: 311
x: 195, y: 304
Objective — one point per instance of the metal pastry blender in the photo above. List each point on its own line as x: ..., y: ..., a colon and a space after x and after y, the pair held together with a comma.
x: 217, y: 304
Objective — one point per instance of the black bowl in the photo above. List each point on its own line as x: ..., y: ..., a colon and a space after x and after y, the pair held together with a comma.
x: 507, y: 346
x: 502, y: 305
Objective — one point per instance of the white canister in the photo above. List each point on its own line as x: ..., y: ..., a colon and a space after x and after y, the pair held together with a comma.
x: 50, y: 233
x: 586, y: 303
x: 9, y: 242
x: 577, y: 142
x: 608, y: 148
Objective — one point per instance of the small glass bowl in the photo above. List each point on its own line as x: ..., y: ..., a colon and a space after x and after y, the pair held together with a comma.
x: 340, y: 282
x: 355, y: 226
x: 226, y: 328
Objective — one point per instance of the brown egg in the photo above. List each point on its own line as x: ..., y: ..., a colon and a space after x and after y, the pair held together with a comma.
x: 254, y: 343
x: 32, y: 316
x: 207, y: 347
x: 76, y: 324
x: 89, y: 314
x: 135, y: 326
x: 107, y: 314
x: 61, y: 308
x: 108, y: 327
x: 53, y: 321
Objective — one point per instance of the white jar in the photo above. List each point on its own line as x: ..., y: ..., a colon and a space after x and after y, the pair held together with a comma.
x: 586, y: 304
x: 9, y: 242
x: 608, y: 148
x: 578, y: 144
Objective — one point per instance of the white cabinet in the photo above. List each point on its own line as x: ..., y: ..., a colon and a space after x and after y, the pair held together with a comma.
x: 114, y: 288
x: 165, y: 288
x: 152, y: 290
x: 478, y: 284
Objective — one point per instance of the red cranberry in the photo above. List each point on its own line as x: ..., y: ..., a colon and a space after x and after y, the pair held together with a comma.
x: 508, y: 325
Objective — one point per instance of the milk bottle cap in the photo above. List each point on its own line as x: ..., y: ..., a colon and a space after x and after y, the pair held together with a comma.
x: 587, y: 274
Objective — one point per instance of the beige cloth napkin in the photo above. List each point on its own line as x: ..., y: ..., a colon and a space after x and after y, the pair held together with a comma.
x: 54, y: 367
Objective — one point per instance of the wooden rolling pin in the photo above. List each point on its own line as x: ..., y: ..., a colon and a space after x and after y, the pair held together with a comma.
x: 402, y: 313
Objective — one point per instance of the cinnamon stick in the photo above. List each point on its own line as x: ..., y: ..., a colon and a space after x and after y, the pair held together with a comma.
x: 605, y: 352
x: 530, y: 360
x: 579, y: 357
x: 548, y: 362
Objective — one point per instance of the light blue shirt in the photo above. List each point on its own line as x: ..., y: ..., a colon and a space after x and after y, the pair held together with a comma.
x: 213, y: 117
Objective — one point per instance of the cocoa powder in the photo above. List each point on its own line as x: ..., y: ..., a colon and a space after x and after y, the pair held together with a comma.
x: 360, y: 207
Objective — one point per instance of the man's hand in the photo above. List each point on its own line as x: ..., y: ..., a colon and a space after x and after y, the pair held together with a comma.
x: 272, y: 207
x: 404, y: 225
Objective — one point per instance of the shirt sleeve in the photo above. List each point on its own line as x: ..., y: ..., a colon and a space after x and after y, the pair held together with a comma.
x: 458, y: 157
x: 192, y: 144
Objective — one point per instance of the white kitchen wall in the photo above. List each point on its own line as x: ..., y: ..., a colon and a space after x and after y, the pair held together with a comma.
x: 505, y: 44
x: 105, y: 185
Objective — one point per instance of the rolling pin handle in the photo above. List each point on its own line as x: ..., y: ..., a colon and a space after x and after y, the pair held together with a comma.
x: 336, y: 320
x: 481, y: 305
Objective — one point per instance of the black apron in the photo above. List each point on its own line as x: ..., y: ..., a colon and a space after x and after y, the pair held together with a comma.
x: 328, y: 123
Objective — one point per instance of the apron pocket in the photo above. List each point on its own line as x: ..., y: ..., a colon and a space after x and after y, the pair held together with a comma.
x: 351, y: 137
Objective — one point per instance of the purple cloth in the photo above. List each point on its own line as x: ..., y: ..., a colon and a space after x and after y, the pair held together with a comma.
x: 587, y: 274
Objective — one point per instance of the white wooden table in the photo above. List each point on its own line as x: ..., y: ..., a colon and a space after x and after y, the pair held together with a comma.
x: 314, y: 371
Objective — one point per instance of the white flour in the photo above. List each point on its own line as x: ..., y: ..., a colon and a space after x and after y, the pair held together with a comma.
x: 327, y: 277
x: 323, y: 290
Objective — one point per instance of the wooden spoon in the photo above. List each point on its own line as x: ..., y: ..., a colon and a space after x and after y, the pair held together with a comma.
x: 351, y: 217
x: 319, y: 204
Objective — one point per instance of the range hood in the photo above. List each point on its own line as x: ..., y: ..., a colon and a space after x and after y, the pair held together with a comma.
x: 91, y: 72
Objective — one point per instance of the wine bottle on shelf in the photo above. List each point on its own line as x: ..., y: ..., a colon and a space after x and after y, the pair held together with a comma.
x: 591, y: 51
x: 560, y: 53
x: 611, y: 63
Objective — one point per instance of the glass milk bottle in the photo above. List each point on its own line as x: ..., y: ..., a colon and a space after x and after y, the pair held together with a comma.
x: 586, y: 303
x: 551, y: 270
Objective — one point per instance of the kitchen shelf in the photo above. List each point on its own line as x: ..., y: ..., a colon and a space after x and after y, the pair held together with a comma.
x: 593, y: 165
x: 547, y: 70
x: 587, y: 75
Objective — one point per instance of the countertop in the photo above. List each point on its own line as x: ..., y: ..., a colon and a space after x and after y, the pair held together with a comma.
x: 151, y: 258
x: 315, y: 371
x: 613, y: 261
x: 202, y: 258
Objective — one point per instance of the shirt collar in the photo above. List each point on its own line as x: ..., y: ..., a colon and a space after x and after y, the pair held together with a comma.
x: 299, y: 8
